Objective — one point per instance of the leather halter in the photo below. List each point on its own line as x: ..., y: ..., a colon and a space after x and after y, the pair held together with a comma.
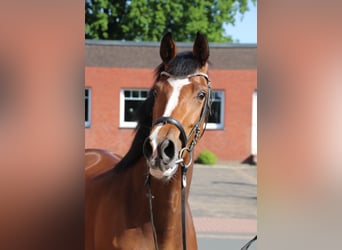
x: 186, y: 146
x: 203, y: 116
x: 196, y: 129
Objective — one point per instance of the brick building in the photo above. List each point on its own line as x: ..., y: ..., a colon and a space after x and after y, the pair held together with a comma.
x: 118, y: 76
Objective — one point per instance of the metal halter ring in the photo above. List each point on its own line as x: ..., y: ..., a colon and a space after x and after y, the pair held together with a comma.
x: 181, y: 152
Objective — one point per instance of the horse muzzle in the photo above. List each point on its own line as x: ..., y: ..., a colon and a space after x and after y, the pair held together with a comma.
x: 161, y: 157
x: 161, y: 148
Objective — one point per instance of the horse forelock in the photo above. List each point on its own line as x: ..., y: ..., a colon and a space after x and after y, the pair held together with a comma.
x: 183, y: 64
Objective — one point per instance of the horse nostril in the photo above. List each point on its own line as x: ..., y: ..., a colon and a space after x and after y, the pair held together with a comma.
x: 147, y: 148
x: 167, y: 150
x: 170, y: 150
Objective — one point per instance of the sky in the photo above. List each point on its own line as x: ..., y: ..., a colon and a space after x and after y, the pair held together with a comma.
x: 245, y: 30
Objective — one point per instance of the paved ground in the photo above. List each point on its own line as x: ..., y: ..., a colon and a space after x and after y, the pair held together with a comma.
x: 223, y: 200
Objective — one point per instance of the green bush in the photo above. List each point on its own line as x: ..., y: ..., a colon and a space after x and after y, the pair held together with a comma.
x: 207, y: 158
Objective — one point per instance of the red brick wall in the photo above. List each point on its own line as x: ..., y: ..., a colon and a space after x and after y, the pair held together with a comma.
x: 231, y: 143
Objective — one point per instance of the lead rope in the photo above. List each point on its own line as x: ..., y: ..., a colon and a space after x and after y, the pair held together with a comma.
x: 185, y: 168
x: 183, y: 185
x: 245, y: 247
x: 183, y: 212
x: 150, y: 197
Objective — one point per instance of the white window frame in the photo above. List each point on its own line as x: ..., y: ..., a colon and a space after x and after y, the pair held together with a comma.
x: 213, y: 126
x: 87, y: 124
x: 123, y: 123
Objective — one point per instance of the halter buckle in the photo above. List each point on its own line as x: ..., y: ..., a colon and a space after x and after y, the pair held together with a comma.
x: 181, y: 152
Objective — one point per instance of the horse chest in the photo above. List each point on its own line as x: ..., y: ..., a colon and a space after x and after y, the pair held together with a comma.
x: 134, y: 238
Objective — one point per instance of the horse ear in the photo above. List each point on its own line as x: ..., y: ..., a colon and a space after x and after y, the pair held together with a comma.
x: 201, y: 48
x: 167, y: 48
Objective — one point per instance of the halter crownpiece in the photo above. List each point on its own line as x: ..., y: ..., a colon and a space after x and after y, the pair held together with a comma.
x: 164, y: 73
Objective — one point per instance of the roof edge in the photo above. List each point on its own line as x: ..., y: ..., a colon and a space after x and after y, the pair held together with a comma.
x: 157, y: 44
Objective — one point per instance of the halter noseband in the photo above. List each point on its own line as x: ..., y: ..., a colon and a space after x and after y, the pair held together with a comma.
x: 164, y: 120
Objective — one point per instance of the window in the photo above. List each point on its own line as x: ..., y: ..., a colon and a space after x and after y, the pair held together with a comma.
x: 215, y: 120
x: 130, y: 101
x: 87, y: 100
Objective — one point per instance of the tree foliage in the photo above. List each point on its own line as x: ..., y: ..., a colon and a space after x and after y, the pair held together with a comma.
x: 148, y: 20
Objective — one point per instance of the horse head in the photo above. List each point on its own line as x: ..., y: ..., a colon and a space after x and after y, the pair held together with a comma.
x: 182, y: 97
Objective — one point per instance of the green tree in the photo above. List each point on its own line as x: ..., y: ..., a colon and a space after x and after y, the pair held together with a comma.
x: 148, y: 20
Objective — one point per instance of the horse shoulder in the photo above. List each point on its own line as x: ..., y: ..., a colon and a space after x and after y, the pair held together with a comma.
x: 99, y: 161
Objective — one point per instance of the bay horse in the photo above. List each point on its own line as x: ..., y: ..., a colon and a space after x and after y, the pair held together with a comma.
x: 136, y: 202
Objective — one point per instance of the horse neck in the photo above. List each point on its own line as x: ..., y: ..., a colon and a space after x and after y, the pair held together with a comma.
x: 167, y: 204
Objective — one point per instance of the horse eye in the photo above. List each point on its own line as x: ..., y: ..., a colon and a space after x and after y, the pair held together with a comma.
x: 201, y: 95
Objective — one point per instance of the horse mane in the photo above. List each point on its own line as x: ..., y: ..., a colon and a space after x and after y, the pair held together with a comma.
x: 142, y: 130
x: 183, y: 64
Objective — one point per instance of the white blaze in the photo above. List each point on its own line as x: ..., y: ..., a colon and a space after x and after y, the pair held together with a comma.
x: 176, y: 85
